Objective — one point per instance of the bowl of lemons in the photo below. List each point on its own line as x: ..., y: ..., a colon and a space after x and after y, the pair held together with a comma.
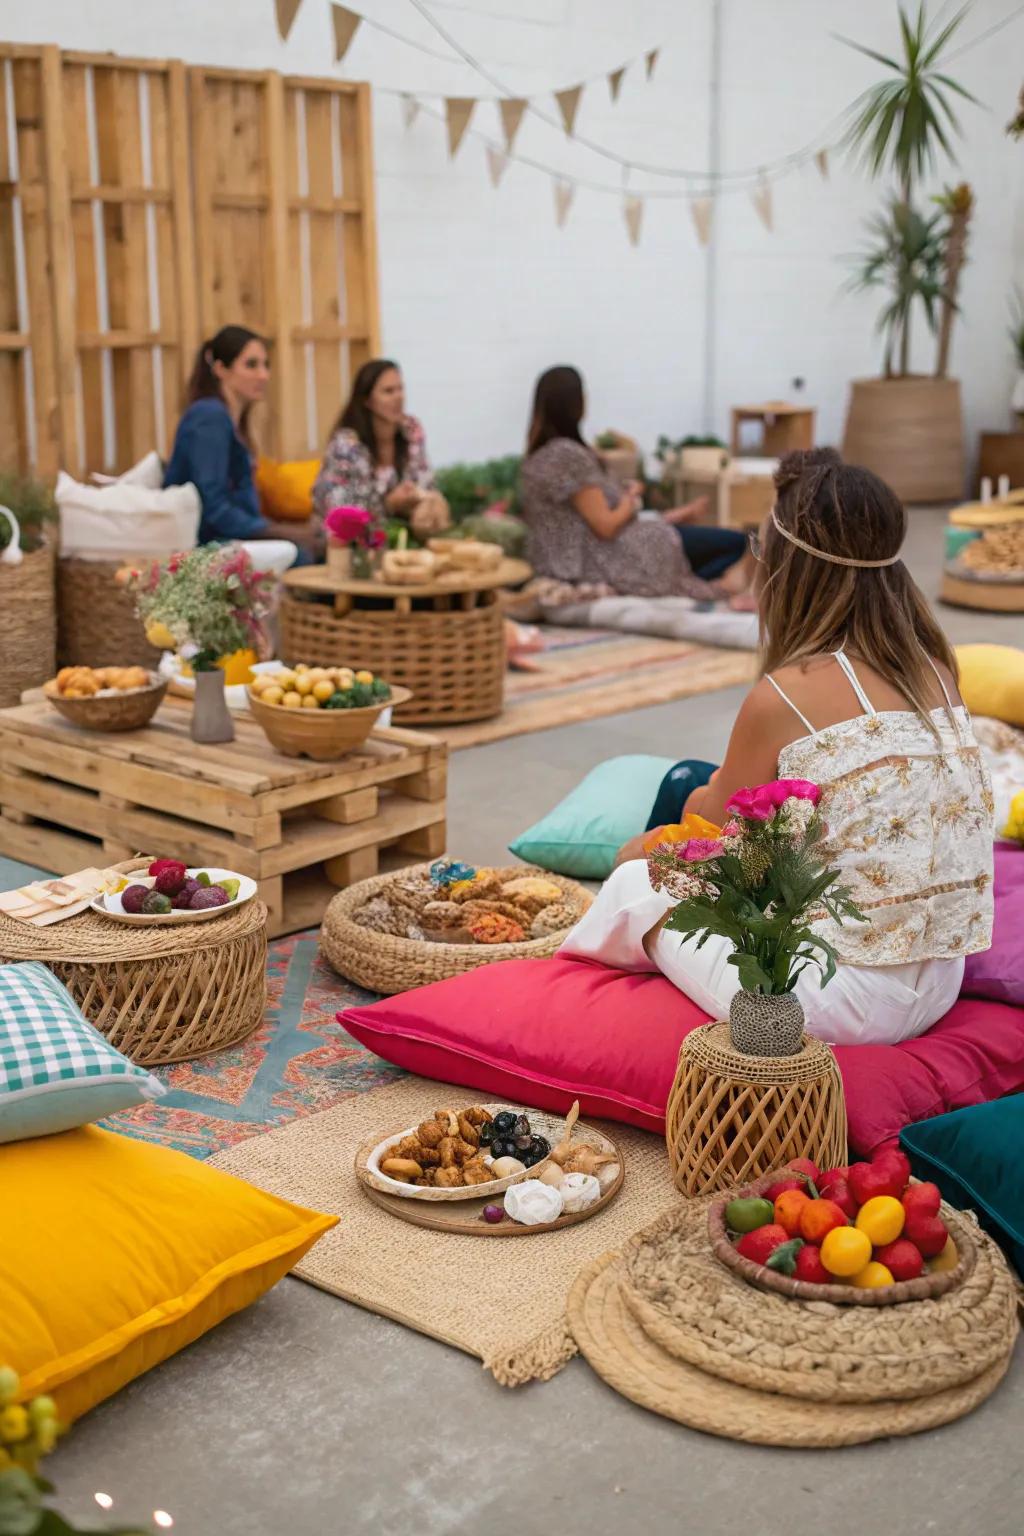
x: 319, y: 712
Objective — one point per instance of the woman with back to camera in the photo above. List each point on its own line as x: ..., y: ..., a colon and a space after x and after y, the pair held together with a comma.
x: 858, y: 694
x: 583, y: 525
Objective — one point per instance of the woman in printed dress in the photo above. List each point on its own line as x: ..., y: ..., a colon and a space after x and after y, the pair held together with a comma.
x: 377, y: 457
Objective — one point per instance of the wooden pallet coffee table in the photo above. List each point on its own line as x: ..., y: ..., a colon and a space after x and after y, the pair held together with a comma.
x: 71, y: 798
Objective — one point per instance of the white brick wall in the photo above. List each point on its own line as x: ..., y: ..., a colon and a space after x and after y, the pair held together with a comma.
x: 480, y: 290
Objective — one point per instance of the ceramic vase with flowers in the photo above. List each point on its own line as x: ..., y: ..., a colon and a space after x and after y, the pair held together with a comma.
x: 211, y: 602
x: 352, y: 542
x: 761, y: 883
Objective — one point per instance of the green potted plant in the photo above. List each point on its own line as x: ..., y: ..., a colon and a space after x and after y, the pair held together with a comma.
x: 28, y: 614
x: 908, y: 427
x: 619, y: 455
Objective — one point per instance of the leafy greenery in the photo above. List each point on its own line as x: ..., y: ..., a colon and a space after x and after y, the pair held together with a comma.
x: 472, y: 488
x: 32, y: 504
x: 906, y: 258
x: 210, y: 599
x: 607, y: 440
x: 668, y: 447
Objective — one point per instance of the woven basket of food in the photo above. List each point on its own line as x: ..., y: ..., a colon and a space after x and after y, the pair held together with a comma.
x: 106, y: 698
x: 404, y: 930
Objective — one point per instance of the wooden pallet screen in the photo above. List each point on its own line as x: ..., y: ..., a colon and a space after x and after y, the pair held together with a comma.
x: 144, y: 204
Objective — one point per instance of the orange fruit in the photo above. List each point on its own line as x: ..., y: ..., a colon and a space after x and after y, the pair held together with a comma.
x: 788, y: 1208
x: 872, y: 1276
x: 845, y: 1252
x: 881, y: 1220
x: 820, y: 1217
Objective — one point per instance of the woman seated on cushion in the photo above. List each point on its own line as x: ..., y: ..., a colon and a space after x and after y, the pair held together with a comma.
x: 583, y: 526
x: 858, y: 694
x: 377, y: 457
x: 213, y: 446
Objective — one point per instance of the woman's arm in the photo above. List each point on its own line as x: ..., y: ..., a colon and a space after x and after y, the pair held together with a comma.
x: 206, y: 445
x: 763, y: 727
x: 606, y: 522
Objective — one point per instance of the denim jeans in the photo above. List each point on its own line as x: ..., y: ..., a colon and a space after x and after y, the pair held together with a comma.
x: 712, y: 550
x: 674, y: 790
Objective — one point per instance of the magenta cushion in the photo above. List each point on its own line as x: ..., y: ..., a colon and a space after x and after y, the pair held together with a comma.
x: 999, y: 972
x: 545, y: 1032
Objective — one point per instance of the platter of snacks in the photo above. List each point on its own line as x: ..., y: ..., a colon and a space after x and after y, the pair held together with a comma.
x: 106, y: 698
x: 320, y: 712
x: 863, y: 1235
x: 170, y: 892
x: 548, y: 1173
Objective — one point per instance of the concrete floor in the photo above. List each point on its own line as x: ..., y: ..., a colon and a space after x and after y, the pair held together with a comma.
x: 308, y: 1416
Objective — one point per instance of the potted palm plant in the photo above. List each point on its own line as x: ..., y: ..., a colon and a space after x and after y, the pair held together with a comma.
x: 908, y: 427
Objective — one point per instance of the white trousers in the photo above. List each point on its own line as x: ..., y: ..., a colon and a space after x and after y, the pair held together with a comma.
x: 862, y: 1004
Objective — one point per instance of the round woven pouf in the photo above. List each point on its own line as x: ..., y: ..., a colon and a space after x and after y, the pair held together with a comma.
x: 671, y: 1328
x: 97, y: 625
x: 159, y: 994
x: 388, y: 963
x: 732, y: 1117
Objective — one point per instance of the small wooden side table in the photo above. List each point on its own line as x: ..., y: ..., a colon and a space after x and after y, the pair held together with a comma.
x: 444, y: 639
x: 732, y: 1117
x: 783, y: 427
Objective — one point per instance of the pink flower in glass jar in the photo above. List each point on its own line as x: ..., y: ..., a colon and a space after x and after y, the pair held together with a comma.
x: 349, y: 525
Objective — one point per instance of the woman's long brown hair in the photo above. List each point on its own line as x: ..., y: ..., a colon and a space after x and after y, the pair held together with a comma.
x: 229, y: 342
x: 357, y: 417
x: 809, y: 607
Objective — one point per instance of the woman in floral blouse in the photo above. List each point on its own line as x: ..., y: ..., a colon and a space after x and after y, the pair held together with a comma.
x: 377, y: 457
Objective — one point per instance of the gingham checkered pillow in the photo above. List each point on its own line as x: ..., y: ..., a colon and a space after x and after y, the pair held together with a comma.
x: 56, y: 1071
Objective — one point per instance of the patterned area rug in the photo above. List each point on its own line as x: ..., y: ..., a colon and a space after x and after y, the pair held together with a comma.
x: 299, y: 1061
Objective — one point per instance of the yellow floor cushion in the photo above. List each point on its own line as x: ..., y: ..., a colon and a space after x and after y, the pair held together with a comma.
x: 286, y: 489
x: 992, y: 681
x: 115, y: 1254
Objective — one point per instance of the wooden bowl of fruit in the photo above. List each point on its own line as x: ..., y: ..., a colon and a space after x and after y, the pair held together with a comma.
x: 320, y: 712
x: 106, y: 698
x: 862, y: 1236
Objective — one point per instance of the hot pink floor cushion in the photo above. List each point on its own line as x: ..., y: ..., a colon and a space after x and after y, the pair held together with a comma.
x: 545, y: 1032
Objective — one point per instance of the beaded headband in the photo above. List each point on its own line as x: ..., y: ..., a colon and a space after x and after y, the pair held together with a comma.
x: 821, y: 554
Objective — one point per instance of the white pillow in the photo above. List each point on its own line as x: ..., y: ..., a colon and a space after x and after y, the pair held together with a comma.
x: 126, y: 519
x: 674, y: 618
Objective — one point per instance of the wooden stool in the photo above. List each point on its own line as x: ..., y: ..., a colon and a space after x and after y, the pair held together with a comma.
x: 733, y: 1117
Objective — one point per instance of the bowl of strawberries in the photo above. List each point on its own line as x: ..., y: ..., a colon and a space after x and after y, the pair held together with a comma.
x: 862, y: 1235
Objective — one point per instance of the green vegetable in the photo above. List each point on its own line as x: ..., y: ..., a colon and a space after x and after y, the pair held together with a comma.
x: 784, y: 1257
x: 748, y: 1215
x: 202, y: 878
x: 230, y: 887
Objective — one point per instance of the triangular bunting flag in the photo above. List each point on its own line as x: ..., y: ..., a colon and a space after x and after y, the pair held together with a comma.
x: 458, y: 111
x: 615, y: 81
x: 287, y: 10
x: 821, y: 161
x: 346, y: 25
x: 410, y: 110
x: 564, y: 194
x: 497, y: 164
x: 568, y: 105
x: 702, y: 210
x: 633, y: 209
x: 761, y: 197
x: 651, y: 59
x: 512, y: 109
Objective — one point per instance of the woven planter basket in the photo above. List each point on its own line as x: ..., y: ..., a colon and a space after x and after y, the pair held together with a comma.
x: 161, y: 994
x: 383, y: 963
x: 28, y: 625
x: 97, y: 623
x: 453, y: 661
x: 732, y: 1117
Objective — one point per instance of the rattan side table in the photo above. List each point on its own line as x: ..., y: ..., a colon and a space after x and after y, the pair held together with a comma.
x: 160, y: 994
x: 732, y: 1117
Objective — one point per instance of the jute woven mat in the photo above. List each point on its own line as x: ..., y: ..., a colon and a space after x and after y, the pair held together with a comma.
x: 385, y: 1265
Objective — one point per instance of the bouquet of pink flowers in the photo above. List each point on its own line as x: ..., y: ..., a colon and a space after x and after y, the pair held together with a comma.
x: 759, y: 882
x: 353, y: 527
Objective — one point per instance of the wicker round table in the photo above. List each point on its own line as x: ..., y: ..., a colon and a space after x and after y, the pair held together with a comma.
x: 160, y: 994
x: 732, y: 1117
x: 444, y: 640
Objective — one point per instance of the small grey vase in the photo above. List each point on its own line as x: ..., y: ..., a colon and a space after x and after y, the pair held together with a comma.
x: 211, y: 719
x: 761, y: 1025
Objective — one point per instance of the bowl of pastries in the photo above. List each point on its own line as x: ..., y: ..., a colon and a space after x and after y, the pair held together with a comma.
x: 106, y: 698
x: 452, y: 1154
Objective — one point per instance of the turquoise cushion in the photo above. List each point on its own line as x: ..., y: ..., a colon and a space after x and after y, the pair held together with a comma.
x: 56, y: 1071
x: 585, y: 831
x: 976, y: 1157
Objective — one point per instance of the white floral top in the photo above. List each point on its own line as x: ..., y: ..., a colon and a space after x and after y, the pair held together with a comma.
x: 910, y: 825
x: 350, y: 477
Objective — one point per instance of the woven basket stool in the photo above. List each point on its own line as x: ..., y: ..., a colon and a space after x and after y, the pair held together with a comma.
x: 386, y: 963
x: 28, y: 625
x: 160, y: 994
x: 453, y: 660
x: 732, y: 1117
x: 97, y: 625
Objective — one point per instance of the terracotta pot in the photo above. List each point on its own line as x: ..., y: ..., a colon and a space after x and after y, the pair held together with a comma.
x: 211, y: 720
x: 766, y: 1026
x: 910, y: 433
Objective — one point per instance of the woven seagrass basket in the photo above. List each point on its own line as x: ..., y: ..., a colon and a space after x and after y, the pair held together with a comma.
x: 382, y: 962
x: 127, y: 711
x: 28, y: 625
x: 453, y: 660
x: 97, y: 625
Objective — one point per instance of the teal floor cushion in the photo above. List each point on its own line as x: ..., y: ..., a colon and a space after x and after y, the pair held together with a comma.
x: 585, y: 831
